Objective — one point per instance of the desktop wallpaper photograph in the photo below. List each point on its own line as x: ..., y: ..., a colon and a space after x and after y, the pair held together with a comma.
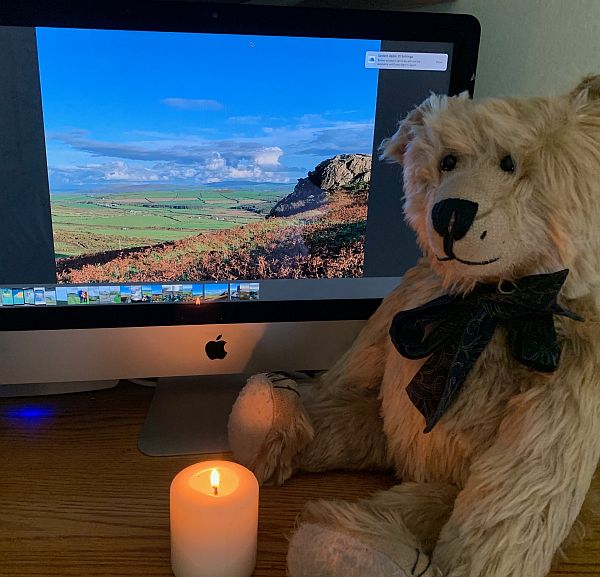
x: 175, y: 157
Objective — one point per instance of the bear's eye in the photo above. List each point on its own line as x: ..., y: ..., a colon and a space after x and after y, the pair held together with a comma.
x: 448, y: 163
x: 507, y: 163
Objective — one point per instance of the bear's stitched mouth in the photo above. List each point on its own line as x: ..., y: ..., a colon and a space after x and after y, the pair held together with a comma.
x: 468, y: 262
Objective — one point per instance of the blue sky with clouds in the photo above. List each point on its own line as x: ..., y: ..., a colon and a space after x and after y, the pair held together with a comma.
x: 124, y: 107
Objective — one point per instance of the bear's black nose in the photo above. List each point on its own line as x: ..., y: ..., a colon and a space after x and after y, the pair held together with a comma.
x: 453, y: 217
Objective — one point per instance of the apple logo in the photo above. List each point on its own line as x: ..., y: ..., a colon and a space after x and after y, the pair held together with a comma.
x: 216, y: 349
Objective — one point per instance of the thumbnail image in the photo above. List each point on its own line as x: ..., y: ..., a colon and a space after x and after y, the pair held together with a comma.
x: 157, y: 293
x: 177, y: 293
x: 235, y: 291
x: 7, y: 296
x: 18, y: 296
x: 94, y: 295
x: 198, y: 293
x: 125, y: 294
x: 104, y: 294
x: 40, y: 296
x: 146, y: 293
x: 167, y: 290
x: 136, y: 294
x: 83, y: 294
x: 72, y: 296
x: 50, y: 297
x: 244, y: 291
x: 61, y: 295
x: 216, y: 292
x: 29, y: 296
x: 187, y: 291
x: 77, y: 295
x: 115, y: 294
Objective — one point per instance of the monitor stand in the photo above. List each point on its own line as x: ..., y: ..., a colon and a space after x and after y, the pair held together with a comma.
x: 189, y: 415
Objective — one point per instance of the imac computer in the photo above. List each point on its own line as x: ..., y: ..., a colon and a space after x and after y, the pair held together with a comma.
x: 191, y: 189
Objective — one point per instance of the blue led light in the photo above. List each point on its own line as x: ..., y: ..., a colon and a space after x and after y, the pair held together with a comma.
x: 29, y: 413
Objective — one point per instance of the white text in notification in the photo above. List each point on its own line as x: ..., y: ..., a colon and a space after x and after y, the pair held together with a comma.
x: 406, y: 61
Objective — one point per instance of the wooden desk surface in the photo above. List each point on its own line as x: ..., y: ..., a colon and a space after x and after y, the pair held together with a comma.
x: 78, y: 498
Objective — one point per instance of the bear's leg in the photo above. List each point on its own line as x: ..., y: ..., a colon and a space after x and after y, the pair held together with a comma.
x: 348, y: 429
x: 268, y: 426
x: 388, y: 535
x: 279, y: 425
x: 425, y: 507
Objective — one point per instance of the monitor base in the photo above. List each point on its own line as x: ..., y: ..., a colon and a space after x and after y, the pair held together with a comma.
x: 189, y: 415
x: 35, y: 389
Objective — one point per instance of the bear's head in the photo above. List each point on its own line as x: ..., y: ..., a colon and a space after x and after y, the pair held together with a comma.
x: 503, y: 188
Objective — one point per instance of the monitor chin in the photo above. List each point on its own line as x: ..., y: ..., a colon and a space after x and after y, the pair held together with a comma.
x: 40, y: 389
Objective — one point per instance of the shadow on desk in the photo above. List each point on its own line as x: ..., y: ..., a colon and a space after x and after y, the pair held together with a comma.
x: 77, y: 498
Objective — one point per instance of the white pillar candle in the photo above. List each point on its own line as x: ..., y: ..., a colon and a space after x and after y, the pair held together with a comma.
x: 214, y: 520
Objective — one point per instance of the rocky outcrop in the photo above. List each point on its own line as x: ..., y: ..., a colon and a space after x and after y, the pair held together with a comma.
x: 349, y: 173
x: 306, y: 196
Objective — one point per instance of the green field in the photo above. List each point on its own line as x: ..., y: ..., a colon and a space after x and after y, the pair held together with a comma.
x: 95, y: 222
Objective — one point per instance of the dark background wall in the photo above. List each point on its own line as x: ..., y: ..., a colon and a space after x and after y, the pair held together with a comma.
x: 390, y: 246
x: 26, y: 248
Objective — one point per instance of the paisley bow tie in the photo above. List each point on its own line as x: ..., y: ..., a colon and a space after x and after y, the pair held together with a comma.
x: 453, y: 331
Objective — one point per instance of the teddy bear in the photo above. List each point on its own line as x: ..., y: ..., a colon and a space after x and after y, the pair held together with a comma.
x: 477, y: 380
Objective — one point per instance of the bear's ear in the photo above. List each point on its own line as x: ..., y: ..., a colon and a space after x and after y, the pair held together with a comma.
x: 586, y: 91
x: 394, y: 147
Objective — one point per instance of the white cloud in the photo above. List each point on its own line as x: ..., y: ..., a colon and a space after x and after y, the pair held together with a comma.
x: 268, y: 156
x: 217, y: 162
x: 212, y: 169
x: 193, y: 103
x: 122, y: 172
x: 89, y: 175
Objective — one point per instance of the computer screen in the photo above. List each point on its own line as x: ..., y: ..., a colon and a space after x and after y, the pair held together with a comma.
x: 175, y: 175
x: 198, y: 167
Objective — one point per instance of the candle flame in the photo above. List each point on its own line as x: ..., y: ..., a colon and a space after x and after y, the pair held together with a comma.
x: 198, y: 302
x: 215, y: 481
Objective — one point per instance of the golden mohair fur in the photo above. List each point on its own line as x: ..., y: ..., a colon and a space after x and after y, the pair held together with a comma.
x: 495, y: 488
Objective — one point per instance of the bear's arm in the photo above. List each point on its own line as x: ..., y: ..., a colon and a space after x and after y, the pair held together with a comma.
x: 525, y: 492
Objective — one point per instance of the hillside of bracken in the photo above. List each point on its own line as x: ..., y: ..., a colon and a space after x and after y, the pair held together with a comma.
x: 327, y: 242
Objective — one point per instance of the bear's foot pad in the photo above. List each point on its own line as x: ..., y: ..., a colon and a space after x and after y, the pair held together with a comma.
x: 320, y: 551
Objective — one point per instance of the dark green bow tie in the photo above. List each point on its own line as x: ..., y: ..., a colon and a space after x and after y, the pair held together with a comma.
x: 453, y: 331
